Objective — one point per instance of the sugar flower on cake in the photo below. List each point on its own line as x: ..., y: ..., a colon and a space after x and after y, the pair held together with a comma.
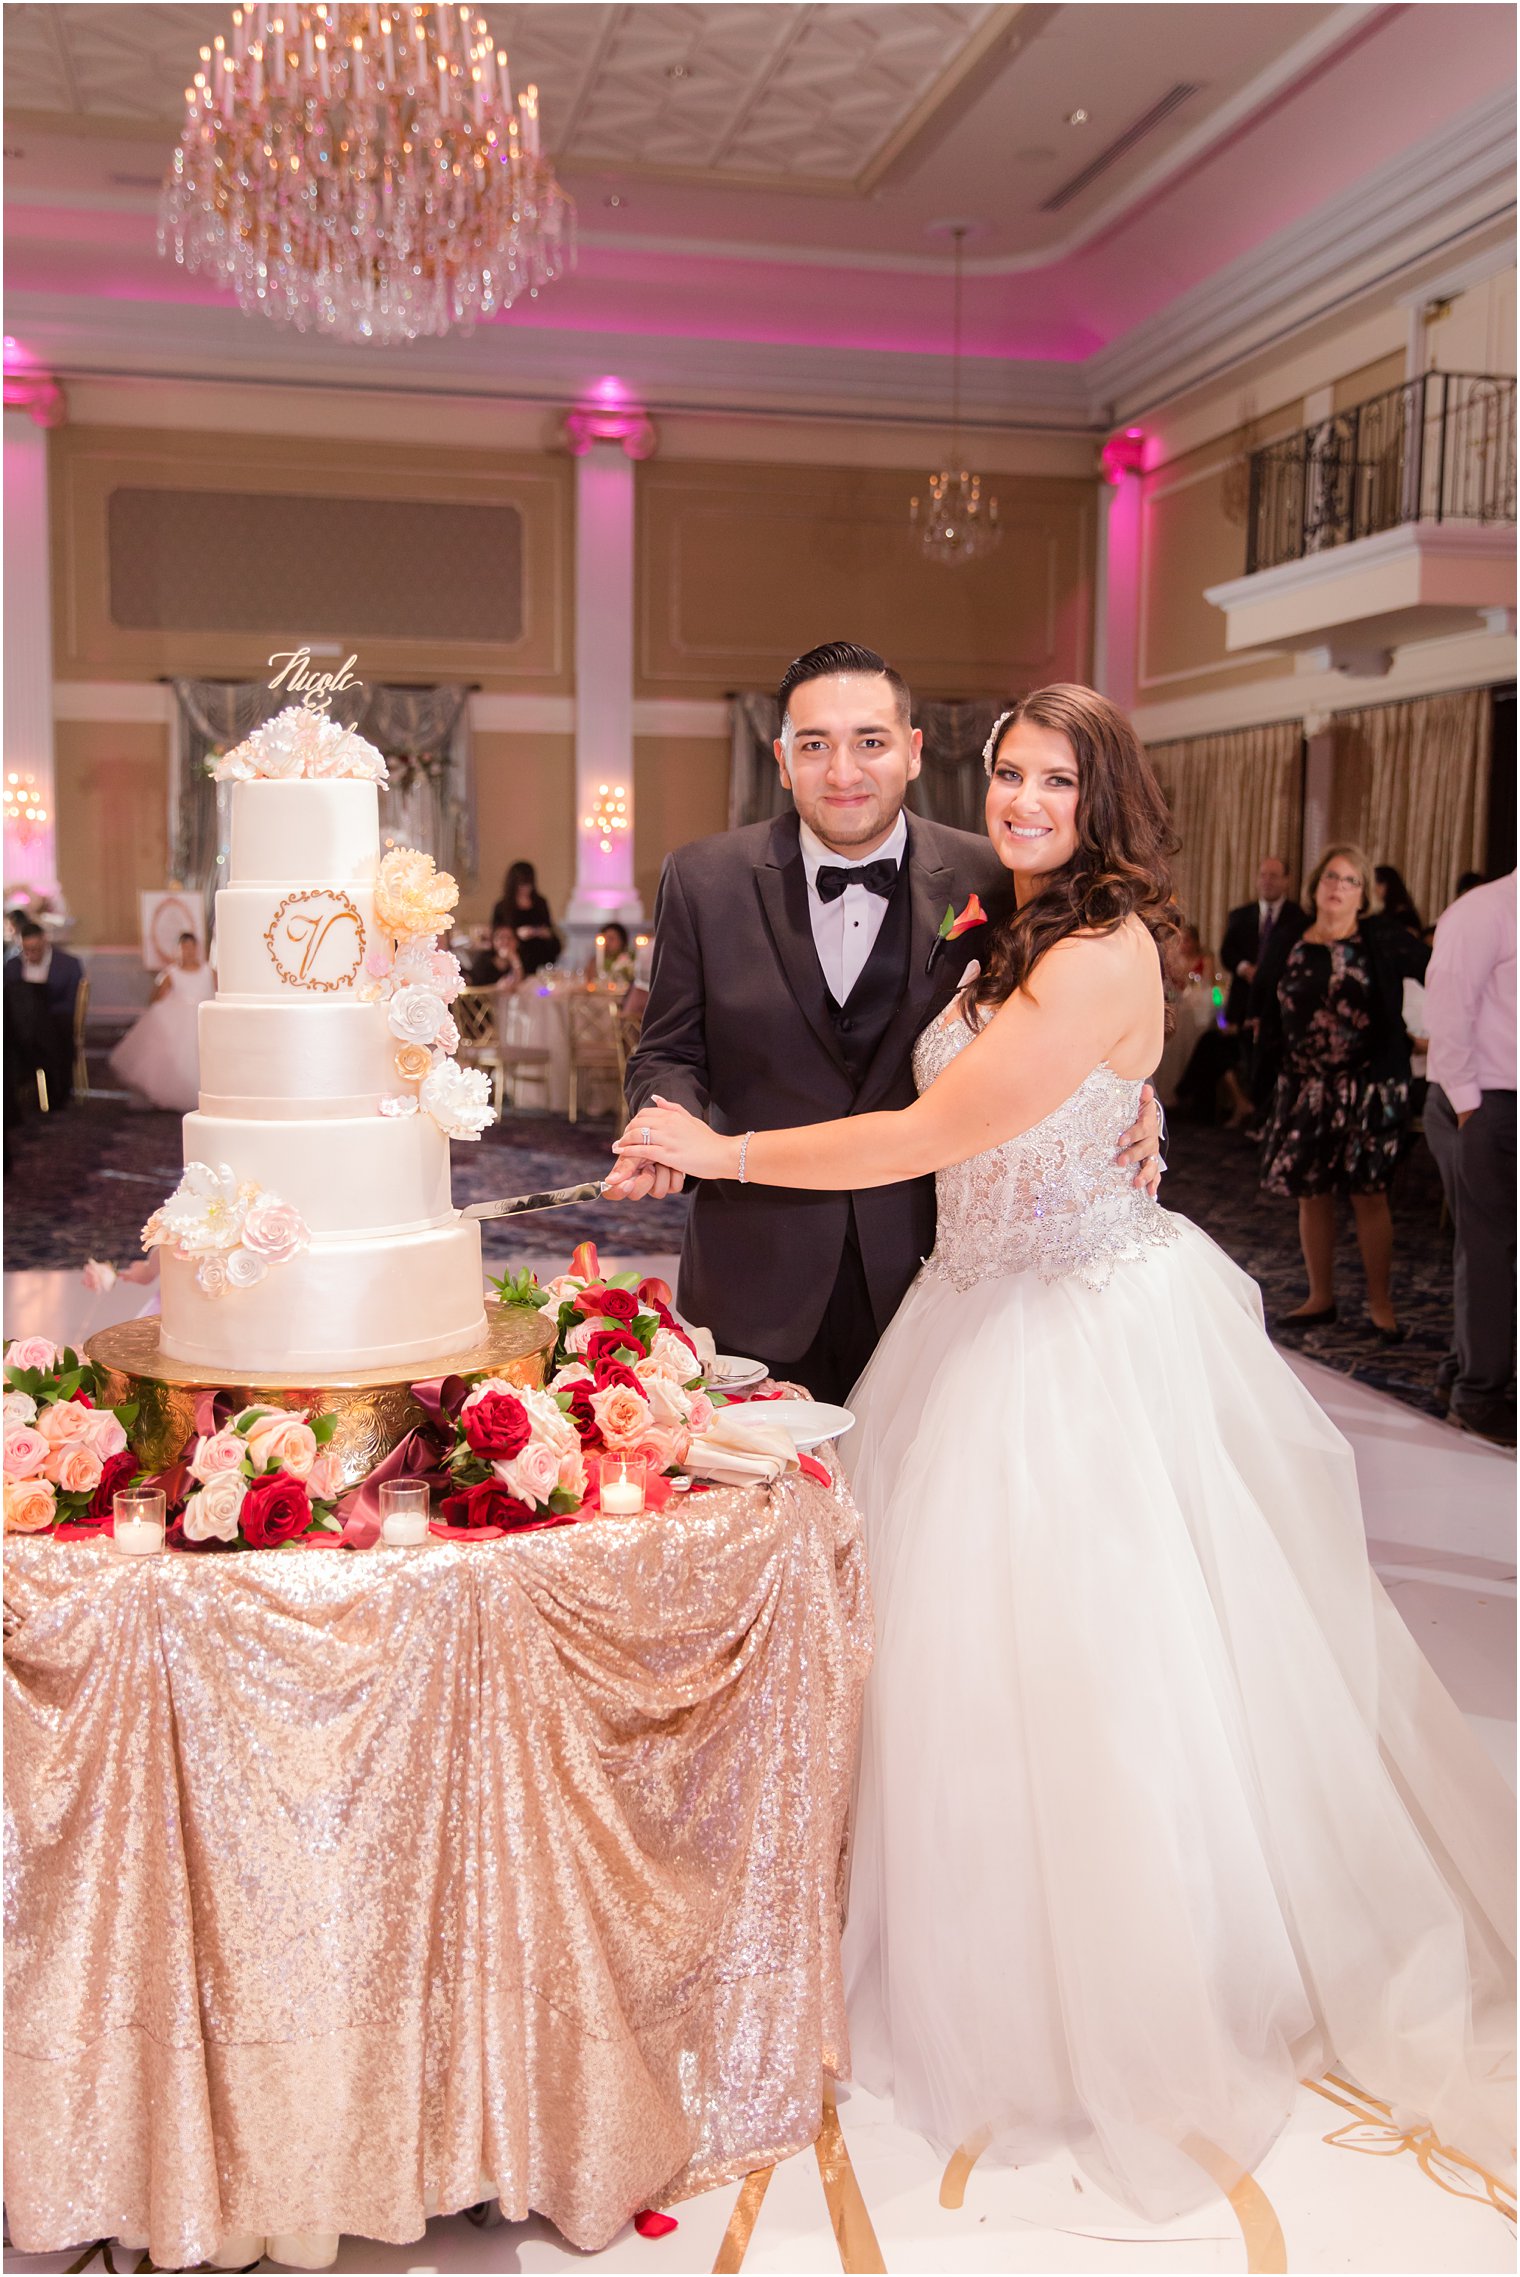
x: 232, y: 1233
x: 412, y: 898
x: 458, y: 1099
x: 273, y: 1230
x: 424, y: 965
x: 299, y: 745
x: 417, y: 1016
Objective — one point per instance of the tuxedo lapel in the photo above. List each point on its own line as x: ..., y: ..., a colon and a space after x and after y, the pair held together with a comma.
x: 782, y: 883
x: 930, y: 978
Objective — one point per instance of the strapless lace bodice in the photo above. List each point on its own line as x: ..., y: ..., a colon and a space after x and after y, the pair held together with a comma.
x: 1052, y: 1201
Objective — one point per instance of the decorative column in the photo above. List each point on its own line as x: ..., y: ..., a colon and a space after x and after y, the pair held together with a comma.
x: 1116, y: 630
x: 605, y: 436
x: 33, y: 403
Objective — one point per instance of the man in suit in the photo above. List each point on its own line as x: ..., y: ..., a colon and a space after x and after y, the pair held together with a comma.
x: 795, y: 962
x: 1274, y: 916
x: 41, y: 985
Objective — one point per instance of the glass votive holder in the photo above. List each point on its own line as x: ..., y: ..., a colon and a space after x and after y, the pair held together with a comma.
x: 403, y: 1512
x: 624, y: 1485
x: 137, y: 1521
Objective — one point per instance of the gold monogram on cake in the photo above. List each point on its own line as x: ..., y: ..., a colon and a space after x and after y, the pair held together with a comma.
x: 316, y: 939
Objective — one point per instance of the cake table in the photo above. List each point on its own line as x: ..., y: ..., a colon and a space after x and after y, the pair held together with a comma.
x: 348, y: 1887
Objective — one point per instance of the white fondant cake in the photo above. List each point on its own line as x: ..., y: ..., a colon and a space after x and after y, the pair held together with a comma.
x: 294, y: 1065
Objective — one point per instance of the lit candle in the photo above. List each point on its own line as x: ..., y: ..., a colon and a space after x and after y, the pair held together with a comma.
x: 527, y: 103
x: 621, y: 1492
x: 137, y: 1522
x: 504, y: 81
x: 279, y: 51
x: 322, y: 79
x: 403, y: 1513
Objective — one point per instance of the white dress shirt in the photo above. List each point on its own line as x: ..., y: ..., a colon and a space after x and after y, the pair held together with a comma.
x: 38, y: 972
x: 1470, y: 996
x: 844, y: 931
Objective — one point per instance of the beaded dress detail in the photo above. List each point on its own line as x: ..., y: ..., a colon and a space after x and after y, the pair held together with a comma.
x: 1053, y: 1200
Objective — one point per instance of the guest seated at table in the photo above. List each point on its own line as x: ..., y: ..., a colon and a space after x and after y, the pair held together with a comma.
x: 1397, y: 903
x: 611, y: 961
x: 523, y: 908
x: 500, y: 965
x: 41, y: 985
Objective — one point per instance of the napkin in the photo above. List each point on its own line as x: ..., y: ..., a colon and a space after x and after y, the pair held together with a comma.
x: 741, y: 1454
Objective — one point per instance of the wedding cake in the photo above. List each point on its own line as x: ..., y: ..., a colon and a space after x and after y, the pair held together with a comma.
x: 313, y: 1230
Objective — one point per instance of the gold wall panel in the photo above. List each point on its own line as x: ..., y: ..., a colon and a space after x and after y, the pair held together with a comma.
x: 90, y: 464
x: 111, y: 786
x: 525, y: 811
x: 680, y: 792
x: 741, y: 567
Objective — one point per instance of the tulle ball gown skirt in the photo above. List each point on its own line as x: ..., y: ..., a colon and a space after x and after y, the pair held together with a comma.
x: 1160, y: 1808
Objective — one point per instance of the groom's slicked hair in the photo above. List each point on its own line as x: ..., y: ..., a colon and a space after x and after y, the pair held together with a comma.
x: 834, y: 658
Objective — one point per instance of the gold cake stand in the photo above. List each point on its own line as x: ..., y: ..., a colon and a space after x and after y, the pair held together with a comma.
x: 375, y: 1407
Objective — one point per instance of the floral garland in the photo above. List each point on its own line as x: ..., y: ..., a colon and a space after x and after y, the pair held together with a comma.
x: 260, y: 1480
x: 231, y: 1233
x: 417, y: 982
x: 65, y: 1457
x: 296, y: 746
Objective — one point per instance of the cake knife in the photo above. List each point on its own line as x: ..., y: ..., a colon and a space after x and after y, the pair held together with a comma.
x: 518, y: 1205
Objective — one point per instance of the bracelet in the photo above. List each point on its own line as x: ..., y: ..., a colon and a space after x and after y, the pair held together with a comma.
x: 744, y: 1155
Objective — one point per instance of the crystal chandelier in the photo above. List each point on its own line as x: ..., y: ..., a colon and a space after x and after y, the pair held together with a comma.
x: 364, y: 172
x: 955, y: 522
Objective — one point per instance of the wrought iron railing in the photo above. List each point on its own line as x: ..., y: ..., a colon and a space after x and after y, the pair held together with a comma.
x: 1438, y: 449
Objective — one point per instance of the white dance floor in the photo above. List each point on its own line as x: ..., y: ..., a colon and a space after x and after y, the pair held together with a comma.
x: 1345, y: 2189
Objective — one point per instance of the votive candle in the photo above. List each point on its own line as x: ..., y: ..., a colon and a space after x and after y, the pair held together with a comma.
x: 137, y: 1515
x: 403, y: 1513
x: 622, y: 1485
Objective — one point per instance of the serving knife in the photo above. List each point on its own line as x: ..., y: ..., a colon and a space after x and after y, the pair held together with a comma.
x: 554, y: 1198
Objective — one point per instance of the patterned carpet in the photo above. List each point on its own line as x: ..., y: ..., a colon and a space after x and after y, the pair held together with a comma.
x: 81, y: 1184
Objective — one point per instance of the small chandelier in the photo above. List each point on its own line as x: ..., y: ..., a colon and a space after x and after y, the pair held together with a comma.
x: 26, y: 814
x: 364, y: 172
x: 955, y: 522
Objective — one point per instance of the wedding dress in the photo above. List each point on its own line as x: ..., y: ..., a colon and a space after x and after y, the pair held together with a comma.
x: 160, y: 1053
x: 1160, y: 1808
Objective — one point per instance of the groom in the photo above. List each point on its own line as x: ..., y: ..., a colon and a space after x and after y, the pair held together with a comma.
x: 795, y: 962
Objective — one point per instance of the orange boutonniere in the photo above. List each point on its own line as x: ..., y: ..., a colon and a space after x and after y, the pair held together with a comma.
x: 952, y: 927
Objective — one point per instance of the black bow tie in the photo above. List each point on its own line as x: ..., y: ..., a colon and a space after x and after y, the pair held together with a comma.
x: 876, y: 877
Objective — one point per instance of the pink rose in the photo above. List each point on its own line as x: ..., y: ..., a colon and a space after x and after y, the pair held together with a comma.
x: 324, y: 1481
x: 579, y: 1336
x: 73, y: 1469
x: 282, y: 1442
x: 273, y: 1230
x: 32, y: 1352
x: 66, y: 1419
x: 534, y: 1474
x: 30, y: 1504
x: 378, y: 963
x: 25, y: 1452
x: 103, y: 1435
x: 223, y: 1451
x: 665, y: 1445
x: 703, y: 1414
x: 572, y: 1475
x: 622, y: 1416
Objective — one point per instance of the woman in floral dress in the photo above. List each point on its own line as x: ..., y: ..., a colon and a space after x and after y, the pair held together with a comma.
x: 1341, y: 1116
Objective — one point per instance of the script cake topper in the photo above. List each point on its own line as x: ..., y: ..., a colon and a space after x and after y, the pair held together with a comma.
x: 322, y: 934
x: 315, y: 689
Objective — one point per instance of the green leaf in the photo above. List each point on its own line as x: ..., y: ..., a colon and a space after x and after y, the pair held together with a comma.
x: 126, y: 1415
x: 947, y: 921
x: 323, y: 1427
x: 521, y: 1289
x: 561, y: 1501
x: 648, y: 1325
x: 327, y: 1519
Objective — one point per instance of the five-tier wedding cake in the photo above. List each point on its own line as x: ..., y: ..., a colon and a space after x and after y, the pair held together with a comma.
x: 313, y: 1231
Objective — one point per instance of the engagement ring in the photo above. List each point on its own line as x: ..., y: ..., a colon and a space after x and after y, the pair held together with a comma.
x: 644, y: 1139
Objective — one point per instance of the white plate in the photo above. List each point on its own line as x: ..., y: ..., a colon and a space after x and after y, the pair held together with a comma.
x: 730, y: 1371
x: 808, y: 1421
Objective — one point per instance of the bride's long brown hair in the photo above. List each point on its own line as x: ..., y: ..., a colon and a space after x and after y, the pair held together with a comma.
x: 1121, y: 867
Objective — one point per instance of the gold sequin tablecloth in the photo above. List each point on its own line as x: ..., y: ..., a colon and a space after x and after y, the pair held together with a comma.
x: 338, y: 1879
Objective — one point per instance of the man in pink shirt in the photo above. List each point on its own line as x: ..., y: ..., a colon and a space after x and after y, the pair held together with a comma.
x: 1470, y: 1125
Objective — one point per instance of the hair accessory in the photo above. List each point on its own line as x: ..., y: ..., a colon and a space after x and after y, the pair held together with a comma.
x: 989, y: 748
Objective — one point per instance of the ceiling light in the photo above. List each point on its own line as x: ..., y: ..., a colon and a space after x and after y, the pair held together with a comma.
x: 955, y: 522
x: 678, y: 70
x: 1076, y: 118
x: 615, y: 199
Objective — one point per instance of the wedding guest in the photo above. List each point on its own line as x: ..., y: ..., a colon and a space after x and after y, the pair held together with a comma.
x: 500, y: 965
x: 1470, y: 1126
x: 1250, y: 928
x: 159, y: 1057
x: 41, y: 987
x: 1397, y: 903
x: 611, y: 960
x: 523, y: 908
x: 1340, y: 1114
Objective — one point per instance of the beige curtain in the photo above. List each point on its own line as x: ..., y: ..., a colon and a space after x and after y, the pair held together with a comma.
x: 1234, y: 798
x: 1411, y: 786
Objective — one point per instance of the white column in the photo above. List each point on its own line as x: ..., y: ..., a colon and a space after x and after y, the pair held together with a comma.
x: 604, y: 688
x: 28, y: 643
x: 1114, y: 661
x: 1319, y: 787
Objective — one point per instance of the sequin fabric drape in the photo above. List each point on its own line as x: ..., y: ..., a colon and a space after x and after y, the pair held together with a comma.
x: 335, y: 1882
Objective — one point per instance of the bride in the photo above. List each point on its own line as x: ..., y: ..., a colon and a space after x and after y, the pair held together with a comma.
x: 159, y: 1056
x: 1160, y: 1809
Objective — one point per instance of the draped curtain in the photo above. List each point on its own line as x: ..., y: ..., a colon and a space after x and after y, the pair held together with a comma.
x: 1234, y: 798
x: 423, y: 732
x: 1412, y: 788
x: 950, y: 787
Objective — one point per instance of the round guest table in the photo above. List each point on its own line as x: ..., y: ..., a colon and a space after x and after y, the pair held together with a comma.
x: 350, y: 1887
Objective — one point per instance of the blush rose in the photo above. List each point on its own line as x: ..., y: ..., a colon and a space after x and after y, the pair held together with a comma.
x: 30, y: 1504
x: 25, y: 1452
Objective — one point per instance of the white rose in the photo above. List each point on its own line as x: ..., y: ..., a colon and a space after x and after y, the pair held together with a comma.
x: 532, y: 1475
x: 245, y: 1268
x: 578, y: 1337
x: 211, y: 1277
x: 20, y: 1407
x: 417, y: 1015
x: 670, y: 1355
x: 565, y: 1285
x: 668, y: 1401
x: 458, y: 1099
x: 212, y: 1514
x: 573, y: 1372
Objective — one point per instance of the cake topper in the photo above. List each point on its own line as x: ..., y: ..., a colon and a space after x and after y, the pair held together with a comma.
x: 315, y: 689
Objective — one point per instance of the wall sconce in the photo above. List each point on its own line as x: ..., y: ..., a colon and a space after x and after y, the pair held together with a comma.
x: 1123, y: 454
x: 26, y: 817
x: 609, y: 814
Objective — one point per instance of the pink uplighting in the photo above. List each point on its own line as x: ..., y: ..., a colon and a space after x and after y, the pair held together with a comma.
x: 1123, y: 454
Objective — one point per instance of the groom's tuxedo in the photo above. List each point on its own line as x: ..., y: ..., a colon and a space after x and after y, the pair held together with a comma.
x: 741, y: 1028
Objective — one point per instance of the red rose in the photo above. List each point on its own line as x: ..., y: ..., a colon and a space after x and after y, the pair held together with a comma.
x: 497, y: 1426
x: 275, y: 1509
x: 610, y: 1372
x: 579, y: 1395
x: 609, y: 1304
x: 117, y: 1472
x: 488, y: 1504
x: 608, y: 1344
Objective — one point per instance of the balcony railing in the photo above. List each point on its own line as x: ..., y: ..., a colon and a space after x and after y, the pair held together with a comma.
x: 1438, y: 449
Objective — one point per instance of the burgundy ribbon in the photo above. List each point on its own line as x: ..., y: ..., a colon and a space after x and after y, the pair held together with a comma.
x: 417, y: 1456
